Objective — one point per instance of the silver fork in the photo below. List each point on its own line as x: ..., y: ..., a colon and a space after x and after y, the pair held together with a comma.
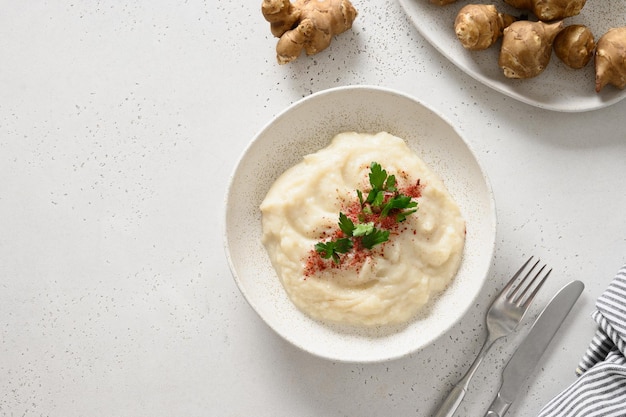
x: 503, y: 316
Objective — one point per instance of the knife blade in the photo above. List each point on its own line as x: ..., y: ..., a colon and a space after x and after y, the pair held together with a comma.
x: 526, y: 356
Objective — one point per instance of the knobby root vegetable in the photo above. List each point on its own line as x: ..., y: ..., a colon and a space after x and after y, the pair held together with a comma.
x: 610, y: 59
x: 549, y: 10
x: 575, y: 46
x: 307, y: 25
x: 526, y: 48
x: 478, y: 26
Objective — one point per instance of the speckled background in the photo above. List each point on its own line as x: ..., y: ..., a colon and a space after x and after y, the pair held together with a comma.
x: 120, y: 123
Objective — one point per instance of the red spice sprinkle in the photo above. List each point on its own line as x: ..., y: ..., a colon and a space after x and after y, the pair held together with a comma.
x: 414, y: 191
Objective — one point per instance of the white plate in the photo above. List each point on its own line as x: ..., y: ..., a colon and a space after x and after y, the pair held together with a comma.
x: 558, y: 88
x: 308, y: 126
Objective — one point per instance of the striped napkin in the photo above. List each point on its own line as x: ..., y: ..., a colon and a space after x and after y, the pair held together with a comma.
x: 600, y: 390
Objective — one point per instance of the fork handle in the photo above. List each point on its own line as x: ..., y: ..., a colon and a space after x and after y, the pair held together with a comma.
x: 454, y: 398
x: 452, y: 401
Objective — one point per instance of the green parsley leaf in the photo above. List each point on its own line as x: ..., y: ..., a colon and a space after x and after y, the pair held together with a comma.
x: 400, y: 217
x: 363, y: 229
x: 343, y: 245
x: 326, y: 250
x: 333, y: 248
x: 378, y: 199
x: 377, y: 176
x: 345, y: 224
x: 398, y: 202
x: 360, y: 195
x: 374, y: 238
x: 390, y: 184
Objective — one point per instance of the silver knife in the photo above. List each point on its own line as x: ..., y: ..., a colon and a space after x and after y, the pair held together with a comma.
x: 523, y: 361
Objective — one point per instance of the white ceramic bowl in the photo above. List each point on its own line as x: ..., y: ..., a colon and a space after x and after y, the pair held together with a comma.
x: 308, y: 126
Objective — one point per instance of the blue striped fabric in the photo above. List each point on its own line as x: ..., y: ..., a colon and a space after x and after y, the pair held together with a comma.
x: 600, y: 390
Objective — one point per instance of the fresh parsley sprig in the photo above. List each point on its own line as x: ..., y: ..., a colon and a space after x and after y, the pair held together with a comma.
x: 384, y: 197
x: 382, y: 200
x: 333, y: 248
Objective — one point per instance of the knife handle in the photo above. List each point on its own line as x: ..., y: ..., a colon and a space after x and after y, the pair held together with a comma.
x: 498, y: 407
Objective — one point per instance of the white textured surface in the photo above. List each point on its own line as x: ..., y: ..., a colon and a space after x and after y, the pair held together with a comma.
x: 119, y: 126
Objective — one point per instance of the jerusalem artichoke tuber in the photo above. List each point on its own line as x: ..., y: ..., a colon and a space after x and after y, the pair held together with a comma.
x: 610, y: 59
x: 478, y: 26
x: 526, y: 48
x: 549, y: 10
x: 575, y: 45
x: 307, y: 25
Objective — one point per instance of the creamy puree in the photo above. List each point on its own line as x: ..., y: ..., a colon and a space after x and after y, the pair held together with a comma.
x: 396, y: 278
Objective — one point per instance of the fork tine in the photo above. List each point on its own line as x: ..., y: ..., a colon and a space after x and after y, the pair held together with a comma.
x: 519, y: 297
x: 516, y: 286
x: 536, y: 290
x: 507, y: 287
